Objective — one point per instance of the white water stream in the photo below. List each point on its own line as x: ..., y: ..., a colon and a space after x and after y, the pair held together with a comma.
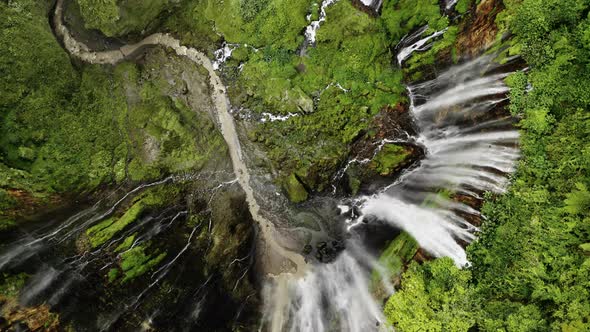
x: 410, y: 43
x: 468, y: 152
x: 313, y: 27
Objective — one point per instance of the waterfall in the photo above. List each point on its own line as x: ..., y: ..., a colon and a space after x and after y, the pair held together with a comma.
x: 410, y: 43
x: 449, y: 4
x: 373, y: 4
x: 313, y: 27
x: 469, y: 150
x: 328, y: 296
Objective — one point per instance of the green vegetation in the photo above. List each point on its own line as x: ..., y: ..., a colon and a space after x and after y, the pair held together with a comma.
x: 106, y: 229
x: 403, y: 16
x: 400, y: 250
x: 126, y: 244
x: 530, y: 267
x: 389, y: 158
x: 120, y: 17
x: 295, y: 190
x: 12, y: 284
x: 113, y: 274
x: 352, y: 53
x: 435, y: 297
x: 69, y: 130
x: 336, y: 86
x: 259, y: 23
x: 134, y: 263
x: 396, y: 255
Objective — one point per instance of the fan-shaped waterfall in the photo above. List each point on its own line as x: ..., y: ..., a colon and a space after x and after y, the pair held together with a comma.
x: 469, y: 150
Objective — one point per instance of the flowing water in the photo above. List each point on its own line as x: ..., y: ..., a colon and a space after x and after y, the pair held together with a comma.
x: 412, y: 43
x: 313, y: 27
x: 469, y: 150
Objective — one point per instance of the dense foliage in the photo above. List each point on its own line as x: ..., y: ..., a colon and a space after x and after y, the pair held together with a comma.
x: 339, y: 83
x: 530, y: 267
x: 68, y: 130
x: 121, y: 17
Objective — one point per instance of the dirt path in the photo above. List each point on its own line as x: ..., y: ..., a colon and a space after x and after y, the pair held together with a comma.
x: 277, y: 260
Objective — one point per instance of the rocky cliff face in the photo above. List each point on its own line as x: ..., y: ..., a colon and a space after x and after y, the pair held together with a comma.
x: 478, y: 29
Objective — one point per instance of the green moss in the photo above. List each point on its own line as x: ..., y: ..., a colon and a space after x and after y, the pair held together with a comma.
x: 153, y: 198
x: 126, y: 244
x: 120, y: 17
x: 135, y: 262
x: 585, y: 247
x: 113, y: 274
x: 397, y: 253
x: 389, y: 158
x: 402, y: 16
x: 295, y: 190
x: 12, y: 284
x: 104, y: 231
x: 393, y: 259
x: 262, y: 26
x: 462, y: 6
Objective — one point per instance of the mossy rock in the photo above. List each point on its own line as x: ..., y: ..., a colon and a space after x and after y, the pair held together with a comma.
x: 395, y: 256
x: 295, y: 190
x: 12, y: 284
x: 390, y: 159
x: 104, y: 231
x: 6, y: 223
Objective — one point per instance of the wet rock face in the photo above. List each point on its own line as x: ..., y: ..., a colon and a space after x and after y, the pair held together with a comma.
x: 383, y: 152
x: 205, y: 273
x: 478, y: 30
x: 371, y: 7
x: 324, y: 251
